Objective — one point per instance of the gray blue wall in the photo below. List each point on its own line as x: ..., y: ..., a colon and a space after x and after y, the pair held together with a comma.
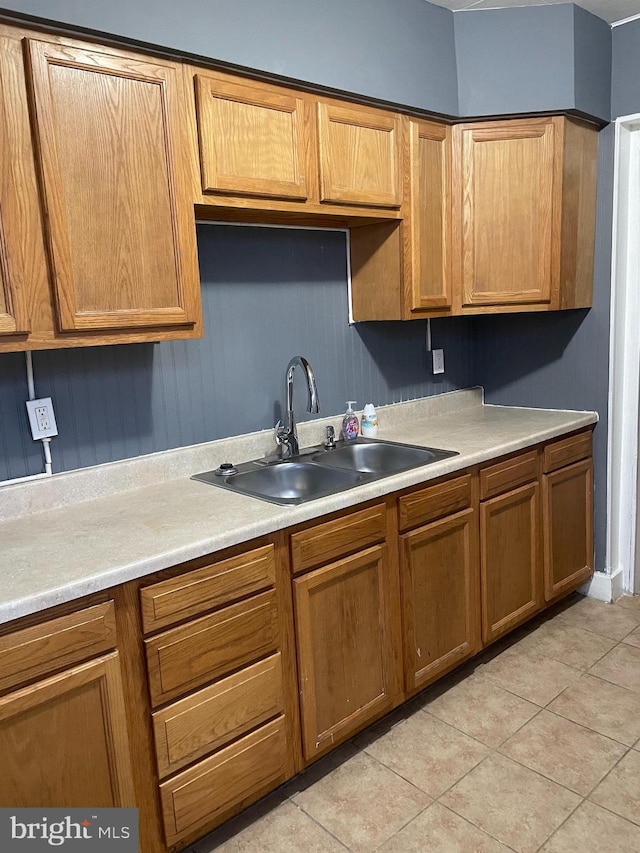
x: 268, y: 294
x: 395, y: 51
x: 625, y: 73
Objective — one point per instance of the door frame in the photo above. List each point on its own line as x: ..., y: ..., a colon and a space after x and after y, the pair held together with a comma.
x: 623, y: 551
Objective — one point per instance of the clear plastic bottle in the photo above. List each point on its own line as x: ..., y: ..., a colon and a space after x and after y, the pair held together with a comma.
x: 369, y: 421
x: 350, y: 424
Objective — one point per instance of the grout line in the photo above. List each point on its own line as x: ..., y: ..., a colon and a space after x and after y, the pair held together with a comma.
x: 317, y: 822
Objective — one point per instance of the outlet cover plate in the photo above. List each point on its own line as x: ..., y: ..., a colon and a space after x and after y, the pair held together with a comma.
x: 42, y: 419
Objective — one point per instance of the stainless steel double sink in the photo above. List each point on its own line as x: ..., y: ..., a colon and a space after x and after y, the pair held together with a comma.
x: 319, y: 471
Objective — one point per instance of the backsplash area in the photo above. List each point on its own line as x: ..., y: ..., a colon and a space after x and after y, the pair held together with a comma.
x: 268, y: 294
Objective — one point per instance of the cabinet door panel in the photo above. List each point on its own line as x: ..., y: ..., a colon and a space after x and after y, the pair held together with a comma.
x: 13, y: 317
x: 507, y: 217
x: 121, y: 228
x: 510, y: 560
x: 360, y: 155
x: 64, y: 743
x: 568, y: 528
x: 344, y: 647
x: 251, y: 139
x: 430, y: 159
x: 440, y: 596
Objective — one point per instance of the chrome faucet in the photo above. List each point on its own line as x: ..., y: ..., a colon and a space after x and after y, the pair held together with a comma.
x: 287, y: 435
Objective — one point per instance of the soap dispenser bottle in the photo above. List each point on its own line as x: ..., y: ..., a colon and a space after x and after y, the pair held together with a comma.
x: 350, y: 425
x: 369, y: 421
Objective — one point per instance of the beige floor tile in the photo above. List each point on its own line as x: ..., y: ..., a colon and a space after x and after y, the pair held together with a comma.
x: 531, y: 676
x: 439, y: 830
x: 606, y: 619
x: 426, y: 752
x: 563, y: 751
x: 606, y: 708
x: 592, y: 829
x: 574, y: 646
x: 283, y: 830
x: 633, y: 639
x: 362, y: 803
x: 511, y: 803
x: 620, y: 666
x: 482, y: 710
x: 620, y: 791
x: 630, y: 603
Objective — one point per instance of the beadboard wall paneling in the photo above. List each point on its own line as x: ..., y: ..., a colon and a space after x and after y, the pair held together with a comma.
x: 268, y: 294
x: 20, y: 455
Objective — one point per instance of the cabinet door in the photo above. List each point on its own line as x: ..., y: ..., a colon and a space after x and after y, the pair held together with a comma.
x: 510, y: 562
x: 345, y: 659
x: 251, y: 139
x: 507, y: 191
x: 120, y: 220
x: 440, y: 597
x: 64, y: 742
x: 429, y: 250
x: 13, y: 317
x: 567, y: 496
x: 360, y: 156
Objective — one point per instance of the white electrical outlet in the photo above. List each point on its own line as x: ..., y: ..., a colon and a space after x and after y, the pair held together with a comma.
x: 438, y: 360
x: 41, y: 418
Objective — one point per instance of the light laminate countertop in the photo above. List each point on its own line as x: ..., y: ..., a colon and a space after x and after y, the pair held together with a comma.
x: 85, y: 531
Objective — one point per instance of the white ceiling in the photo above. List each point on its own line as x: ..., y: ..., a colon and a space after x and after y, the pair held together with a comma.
x: 611, y: 11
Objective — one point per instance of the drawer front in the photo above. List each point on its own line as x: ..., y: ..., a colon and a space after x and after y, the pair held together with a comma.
x: 40, y: 649
x: 239, y: 773
x: 567, y: 451
x: 208, y: 648
x: 508, y: 475
x: 434, y: 502
x: 195, y: 726
x: 204, y: 589
x: 337, y: 538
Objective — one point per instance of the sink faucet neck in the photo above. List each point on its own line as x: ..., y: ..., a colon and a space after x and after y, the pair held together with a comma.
x: 287, y: 435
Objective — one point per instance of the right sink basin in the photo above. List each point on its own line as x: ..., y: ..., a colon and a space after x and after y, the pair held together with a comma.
x: 377, y: 457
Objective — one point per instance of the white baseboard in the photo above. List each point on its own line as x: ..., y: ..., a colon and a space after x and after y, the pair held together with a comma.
x: 604, y: 587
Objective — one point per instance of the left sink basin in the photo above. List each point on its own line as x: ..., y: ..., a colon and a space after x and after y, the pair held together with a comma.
x: 285, y: 482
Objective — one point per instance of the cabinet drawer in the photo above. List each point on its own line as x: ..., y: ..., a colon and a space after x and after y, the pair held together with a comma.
x: 212, y: 717
x: 434, y: 502
x: 40, y: 649
x: 508, y: 475
x: 336, y: 538
x: 206, y: 588
x: 208, y: 648
x: 239, y: 773
x: 567, y: 451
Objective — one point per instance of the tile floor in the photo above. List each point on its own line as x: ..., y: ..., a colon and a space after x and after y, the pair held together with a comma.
x: 535, y: 745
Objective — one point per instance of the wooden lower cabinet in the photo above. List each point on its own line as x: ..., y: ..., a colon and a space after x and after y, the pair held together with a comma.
x: 510, y: 562
x: 346, y: 663
x: 64, y: 740
x: 440, y: 597
x: 567, y: 500
x: 238, y: 774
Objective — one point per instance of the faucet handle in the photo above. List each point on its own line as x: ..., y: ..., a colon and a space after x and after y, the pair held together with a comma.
x: 279, y: 433
x: 330, y: 440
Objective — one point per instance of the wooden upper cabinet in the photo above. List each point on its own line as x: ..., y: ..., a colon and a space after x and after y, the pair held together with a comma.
x: 507, y: 191
x: 13, y: 315
x: 251, y: 139
x: 360, y: 154
x: 119, y: 214
x: 524, y: 213
x: 429, y: 231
